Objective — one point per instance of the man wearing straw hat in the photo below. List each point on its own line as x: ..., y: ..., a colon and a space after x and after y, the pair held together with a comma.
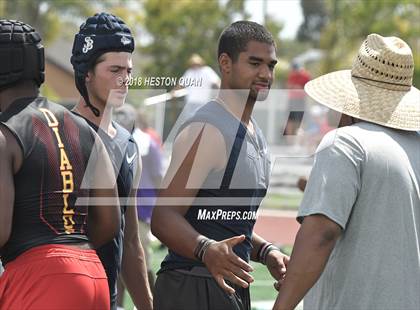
x: 358, y: 246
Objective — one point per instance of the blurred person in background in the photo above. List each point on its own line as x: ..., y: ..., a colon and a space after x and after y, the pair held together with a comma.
x: 296, y: 81
x: 151, y: 177
x: 200, y: 81
x: 144, y: 126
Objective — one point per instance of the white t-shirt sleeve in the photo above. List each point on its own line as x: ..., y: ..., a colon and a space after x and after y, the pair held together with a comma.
x: 335, y: 179
x: 185, y: 77
x: 212, y: 76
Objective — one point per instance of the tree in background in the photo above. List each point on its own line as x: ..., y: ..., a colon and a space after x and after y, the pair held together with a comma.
x: 168, y: 31
x: 54, y: 18
x: 46, y: 16
x: 174, y: 30
x: 338, y: 27
x: 350, y: 21
x: 177, y: 29
x: 275, y: 28
x: 315, y: 18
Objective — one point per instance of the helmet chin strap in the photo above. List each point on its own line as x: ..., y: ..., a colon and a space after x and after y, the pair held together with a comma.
x: 81, y: 87
x: 94, y: 110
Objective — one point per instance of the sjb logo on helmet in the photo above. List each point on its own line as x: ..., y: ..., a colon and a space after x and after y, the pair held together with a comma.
x: 125, y: 41
x: 88, y: 45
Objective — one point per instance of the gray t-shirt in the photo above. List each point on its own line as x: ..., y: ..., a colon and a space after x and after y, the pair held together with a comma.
x: 366, y: 179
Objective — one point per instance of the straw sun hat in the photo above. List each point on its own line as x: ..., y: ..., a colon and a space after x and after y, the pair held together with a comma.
x: 377, y: 89
x: 196, y: 59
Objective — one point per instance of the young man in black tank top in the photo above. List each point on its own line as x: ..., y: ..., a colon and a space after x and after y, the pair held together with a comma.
x: 46, y: 237
x: 101, y: 58
x: 205, y: 227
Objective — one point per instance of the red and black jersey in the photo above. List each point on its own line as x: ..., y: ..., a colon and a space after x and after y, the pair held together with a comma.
x: 56, y: 147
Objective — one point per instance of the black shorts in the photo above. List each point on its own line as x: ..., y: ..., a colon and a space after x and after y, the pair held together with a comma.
x: 296, y: 116
x: 297, y: 109
x: 196, y: 290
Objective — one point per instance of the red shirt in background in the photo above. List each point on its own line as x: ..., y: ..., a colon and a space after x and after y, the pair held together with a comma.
x: 154, y: 135
x: 297, y: 80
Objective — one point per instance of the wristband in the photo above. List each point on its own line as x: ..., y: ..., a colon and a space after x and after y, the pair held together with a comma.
x: 201, y: 248
x: 264, y: 252
x: 261, y: 249
x: 205, y: 247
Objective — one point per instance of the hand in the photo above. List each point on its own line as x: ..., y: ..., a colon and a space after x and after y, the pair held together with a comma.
x: 301, y: 183
x: 223, y: 263
x: 277, y: 263
x: 172, y: 93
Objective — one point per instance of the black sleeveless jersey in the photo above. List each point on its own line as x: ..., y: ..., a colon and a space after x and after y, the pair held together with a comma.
x: 48, y: 182
x: 238, y: 189
x: 123, y: 153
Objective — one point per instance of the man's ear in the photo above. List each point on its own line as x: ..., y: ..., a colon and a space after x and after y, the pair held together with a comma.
x: 225, y: 63
x: 88, y: 76
x: 346, y: 120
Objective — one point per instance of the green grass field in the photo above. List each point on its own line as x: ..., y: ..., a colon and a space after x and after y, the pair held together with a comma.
x: 282, y: 201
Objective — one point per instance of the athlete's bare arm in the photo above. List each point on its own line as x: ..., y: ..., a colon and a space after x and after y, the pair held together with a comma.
x: 134, y: 270
x: 197, y: 150
x: 10, y: 162
x: 104, y: 213
x: 186, y: 173
x: 314, y: 243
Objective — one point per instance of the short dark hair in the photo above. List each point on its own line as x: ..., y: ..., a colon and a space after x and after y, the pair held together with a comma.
x: 94, y: 62
x: 235, y: 38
